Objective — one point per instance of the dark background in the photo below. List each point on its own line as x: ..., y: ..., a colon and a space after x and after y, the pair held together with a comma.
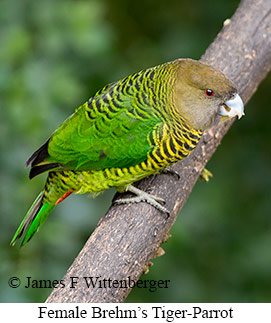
x: 54, y: 55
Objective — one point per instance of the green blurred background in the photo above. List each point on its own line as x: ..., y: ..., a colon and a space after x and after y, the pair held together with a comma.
x: 54, y: 55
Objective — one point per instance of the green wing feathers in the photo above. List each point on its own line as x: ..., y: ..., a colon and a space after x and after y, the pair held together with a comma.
x: 112, y: 129
x: 110, y: 140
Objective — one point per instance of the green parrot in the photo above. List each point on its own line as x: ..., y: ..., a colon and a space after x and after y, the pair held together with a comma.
x: 128, y: 130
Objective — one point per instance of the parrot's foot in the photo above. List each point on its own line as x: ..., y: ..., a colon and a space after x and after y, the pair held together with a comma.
x: 143, y: 197
x: 206, y: 175
x: 171, y: 171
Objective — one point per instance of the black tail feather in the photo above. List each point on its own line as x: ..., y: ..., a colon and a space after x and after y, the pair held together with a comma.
x: 36, y: 170
x: 39, y: 155
x: 37, y: 159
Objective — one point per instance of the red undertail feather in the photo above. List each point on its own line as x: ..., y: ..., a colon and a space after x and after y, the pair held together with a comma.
x: 63, y: 197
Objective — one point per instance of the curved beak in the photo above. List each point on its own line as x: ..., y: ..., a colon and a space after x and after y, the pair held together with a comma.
x: 232, y: 108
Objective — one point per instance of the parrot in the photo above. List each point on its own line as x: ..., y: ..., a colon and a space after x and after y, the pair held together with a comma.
x: 130, y: 129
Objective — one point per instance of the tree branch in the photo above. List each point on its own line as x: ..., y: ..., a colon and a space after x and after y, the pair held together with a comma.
x: 128, y: 236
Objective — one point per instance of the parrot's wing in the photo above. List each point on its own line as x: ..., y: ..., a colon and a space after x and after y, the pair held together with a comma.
x: 108, y: 131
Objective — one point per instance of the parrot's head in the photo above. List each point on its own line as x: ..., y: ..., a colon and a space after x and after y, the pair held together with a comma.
x: 203, y: 94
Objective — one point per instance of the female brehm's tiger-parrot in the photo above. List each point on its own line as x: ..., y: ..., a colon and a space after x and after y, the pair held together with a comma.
x: 128, y: 130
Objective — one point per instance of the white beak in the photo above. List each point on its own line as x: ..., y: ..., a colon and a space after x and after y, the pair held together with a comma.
x: 232, y: 108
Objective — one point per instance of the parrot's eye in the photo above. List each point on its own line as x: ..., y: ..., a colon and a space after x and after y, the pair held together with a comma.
x: 209, y: 92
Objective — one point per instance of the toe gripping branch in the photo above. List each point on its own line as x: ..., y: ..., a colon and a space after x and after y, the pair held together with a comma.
x: 142, y: 196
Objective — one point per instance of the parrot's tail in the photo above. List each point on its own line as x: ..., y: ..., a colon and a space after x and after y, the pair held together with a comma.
x: 34, y: 218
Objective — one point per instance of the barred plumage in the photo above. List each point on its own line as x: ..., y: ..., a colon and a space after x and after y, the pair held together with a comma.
x: 128, y: 130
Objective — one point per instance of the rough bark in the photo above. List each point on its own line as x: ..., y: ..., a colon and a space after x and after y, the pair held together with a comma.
x: 128, y: 236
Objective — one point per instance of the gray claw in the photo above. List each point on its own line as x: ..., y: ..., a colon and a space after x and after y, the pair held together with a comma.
x: 144, y: 197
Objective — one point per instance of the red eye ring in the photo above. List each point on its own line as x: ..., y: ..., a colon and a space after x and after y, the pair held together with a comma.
x: 209, y: 93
